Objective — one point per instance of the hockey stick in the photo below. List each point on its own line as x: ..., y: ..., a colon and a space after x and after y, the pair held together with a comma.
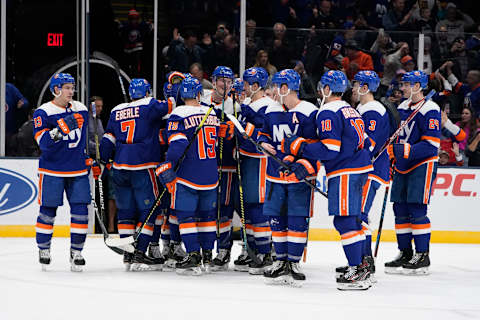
x: 127, y: 243
x: 250, y: 252
x: 403, y: 125
x: 220, y: 147
x: 380, y: 225
x: 239, y: 127
x: 99, y: 186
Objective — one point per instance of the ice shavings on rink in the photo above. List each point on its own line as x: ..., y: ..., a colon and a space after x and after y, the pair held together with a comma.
x: 105, y: 291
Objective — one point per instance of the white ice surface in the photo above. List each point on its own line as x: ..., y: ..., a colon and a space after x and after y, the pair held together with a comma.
x: 105, y: 291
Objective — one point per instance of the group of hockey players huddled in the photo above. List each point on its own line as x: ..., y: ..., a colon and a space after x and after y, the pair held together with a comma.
x: 205, y: 154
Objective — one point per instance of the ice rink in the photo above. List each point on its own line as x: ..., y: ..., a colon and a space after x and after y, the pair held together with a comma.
x: 105, y: 291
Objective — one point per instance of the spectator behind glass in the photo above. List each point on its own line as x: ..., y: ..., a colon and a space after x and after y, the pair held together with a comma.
x: 14, y: 102
x: 134, y: 33
x: 450, y: 156
x: 407, y: 63
x: 473, y: 43
x: 355, y: 60
x: 392, y: 63
x: 323, y: 17
x: 456, y: 22
x: 470, y: 91
x: 279, y: 49
x: 463, y: 61
x: 183, y: 52
x: 473, y: 149
x: 25, y: 143
x: 377, y: 9
x: 253, y: 43
x: 262, y: 61
x: 307, y: 88
x: 398, y: 17
x: 98, y: 101
x: 196, y: 70
x: 228, y: 53
x: 379, y: 49
x: 468, y: 125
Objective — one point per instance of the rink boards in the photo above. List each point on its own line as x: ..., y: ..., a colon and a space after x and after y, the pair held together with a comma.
x: 454, y: 209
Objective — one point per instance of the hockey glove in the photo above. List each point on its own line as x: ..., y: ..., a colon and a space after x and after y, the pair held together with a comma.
x: 399, y: 150
x: 70, y: 123
x: 300, y: 170
x: 293, y: 145
x: 95, y: 167
x: 166, y: 175
x: 226, y: 130
x: 288, y: 160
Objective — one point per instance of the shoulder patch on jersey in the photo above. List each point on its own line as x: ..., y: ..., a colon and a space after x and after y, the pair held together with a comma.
x: 139, y: 102
x: 186, y: 111
x: 334, y: 106
x: 305, y: 108
x: 372, y: 106
x: 429, y: 106
x: 274, y: 107
x: 260, y: 103
x: 51, y: 108
x: 77, y: 106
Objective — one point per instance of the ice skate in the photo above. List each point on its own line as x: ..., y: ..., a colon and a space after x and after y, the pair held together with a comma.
x: 297, y: 276
x: 220, y: 263
x: 176, y: 253
x: 127, y: 260
x: 154, y: 250
x: 340, y: 270
x: 44, y: 258
x: 418, y: 265
x: 355, y: 278
x: 278, y: 274
x: 395, y: 266
x: 141, y: 262
x: 242, y: 262
x: 76, y: 260
x: 207, y: 261
x: 265, y: 262
x: 370, y: 262
x: 190, y: 265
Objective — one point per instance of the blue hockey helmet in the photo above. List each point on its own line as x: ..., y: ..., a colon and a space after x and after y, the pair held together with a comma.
x: 222, y: 72
x: 238, y: 85
x: 415, y: 76
x: 256, y: 75
x: 370, y: 78
x: 190, y: 88
x: 139, y: 88
x: 289, y: 77
x: 335, y: 80
x: 171, y: 90
x: 59, y: 79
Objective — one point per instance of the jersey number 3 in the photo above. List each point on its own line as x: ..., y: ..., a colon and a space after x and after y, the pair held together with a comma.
x: 128, y: 126
x: 206, y: 142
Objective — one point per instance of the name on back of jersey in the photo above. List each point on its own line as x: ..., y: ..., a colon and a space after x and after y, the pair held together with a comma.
x: 195, y: 120
x: 127, y: 113
x: 349, y: 112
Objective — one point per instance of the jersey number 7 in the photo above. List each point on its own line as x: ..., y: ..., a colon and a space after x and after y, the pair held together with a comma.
x: 206, y: 142
x: 128, y: 126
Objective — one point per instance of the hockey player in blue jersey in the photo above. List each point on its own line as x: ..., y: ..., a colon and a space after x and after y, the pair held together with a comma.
x: 193, y: 185
x: 253, y: 168
x: 60, y: 131
x: 416, y: 157
x: 347, y: 163
x: 288, y: 201
x: 131, y: 139
x: 377, y: 127
x: 222, y: 78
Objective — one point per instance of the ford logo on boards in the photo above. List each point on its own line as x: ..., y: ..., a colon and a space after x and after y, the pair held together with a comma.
x: 16, y: 191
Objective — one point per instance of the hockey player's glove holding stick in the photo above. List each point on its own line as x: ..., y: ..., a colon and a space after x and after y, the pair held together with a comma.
x: 166, y: 175
x: 399, y: 150
x: 300, y: 170
x: 293, y: 145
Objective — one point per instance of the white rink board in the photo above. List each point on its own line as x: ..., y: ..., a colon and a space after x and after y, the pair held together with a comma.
x: 454, y: 205
x: 12, y: 173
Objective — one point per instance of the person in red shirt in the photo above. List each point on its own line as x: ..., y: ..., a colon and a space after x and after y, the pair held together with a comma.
x: 355, y: 60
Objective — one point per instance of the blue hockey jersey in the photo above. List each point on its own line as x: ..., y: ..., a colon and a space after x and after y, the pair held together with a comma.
x: 377, y: 127
x: 341, y: 131
x: 279, y: 123
x: 199, y: 168
x: 228, y: 162
x: 65, y: 157
x: 422, y: 133
x: 132, y: 134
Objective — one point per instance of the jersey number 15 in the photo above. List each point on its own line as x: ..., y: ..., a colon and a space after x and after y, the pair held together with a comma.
x: 206, y: 142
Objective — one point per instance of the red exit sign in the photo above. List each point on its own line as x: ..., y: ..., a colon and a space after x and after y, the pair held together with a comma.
x: 55, y: 39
